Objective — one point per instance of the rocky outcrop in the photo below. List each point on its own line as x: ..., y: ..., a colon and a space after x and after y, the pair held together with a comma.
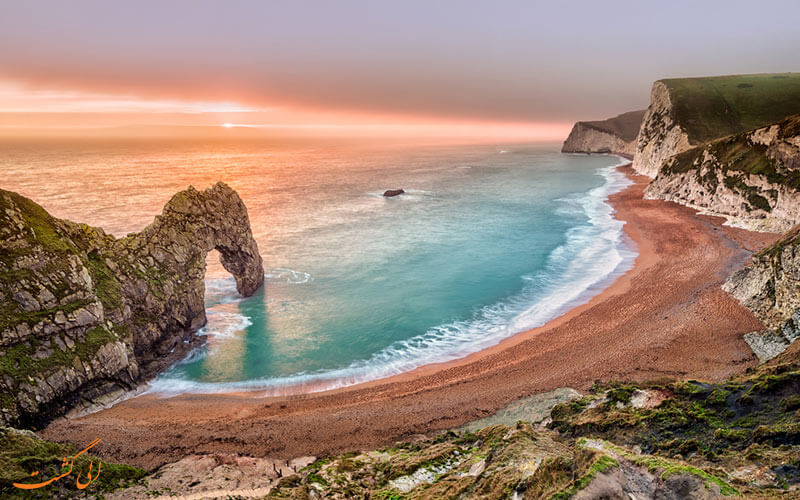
x: 389, y: 193
x: 85, y: 316
x: 616, y: 135
x: 751, y: 178
x: 656, y: 440
x: 687, y: 112
x: 770, y: 288
x: 660, y: 136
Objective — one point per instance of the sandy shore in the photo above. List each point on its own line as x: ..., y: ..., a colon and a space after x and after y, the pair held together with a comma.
x: 667, y: 317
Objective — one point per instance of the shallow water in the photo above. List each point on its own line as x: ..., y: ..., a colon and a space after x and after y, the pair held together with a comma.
x: 487, y: 242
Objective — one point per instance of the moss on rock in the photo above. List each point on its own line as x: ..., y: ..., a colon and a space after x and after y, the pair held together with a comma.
x: 83, y: 313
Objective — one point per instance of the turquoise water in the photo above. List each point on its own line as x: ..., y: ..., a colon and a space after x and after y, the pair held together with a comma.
x: 487, y: 242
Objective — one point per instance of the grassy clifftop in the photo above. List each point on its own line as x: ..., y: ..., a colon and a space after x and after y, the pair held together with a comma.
x: 713, y: 107
x: 615, y: 135
x: 625, y: 126
x: 739, y: 153
x: 752, y: 176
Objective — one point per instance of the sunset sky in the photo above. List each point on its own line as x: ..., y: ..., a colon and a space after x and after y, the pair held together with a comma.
x: 523, y: 69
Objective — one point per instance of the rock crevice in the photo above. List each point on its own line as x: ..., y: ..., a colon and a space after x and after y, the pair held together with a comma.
x: 770, y: 288
x: 752, y: 177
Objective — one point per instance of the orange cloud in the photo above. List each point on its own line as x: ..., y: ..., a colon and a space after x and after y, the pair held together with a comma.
x: 34, y: 111
x: 17, y: 98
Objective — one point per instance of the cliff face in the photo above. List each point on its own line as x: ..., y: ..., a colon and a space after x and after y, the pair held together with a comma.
x: 752, y: 177
x: 616, y: 135
x: 660, y: 136
x: 770, y: 287
x: 85, y: 316
x: 686, y: 112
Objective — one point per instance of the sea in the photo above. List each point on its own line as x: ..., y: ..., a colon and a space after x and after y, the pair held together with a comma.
x: 488, y: 240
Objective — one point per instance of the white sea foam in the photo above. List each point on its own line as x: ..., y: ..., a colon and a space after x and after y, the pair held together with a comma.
x: 221, y: 325
x: 224, y: 324
x: 223, y: 290
x: 284, y: 275
x: 592, y: 257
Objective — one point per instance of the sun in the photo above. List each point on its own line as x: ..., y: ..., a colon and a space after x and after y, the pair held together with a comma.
x: 227, y: 125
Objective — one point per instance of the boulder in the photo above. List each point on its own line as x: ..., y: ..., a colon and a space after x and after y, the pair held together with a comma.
x: 392, y: 192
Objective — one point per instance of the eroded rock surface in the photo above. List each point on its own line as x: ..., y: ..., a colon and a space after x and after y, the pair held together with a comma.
x: 688, y: 112
x: 770, y: 287
x: 85, y: 316
x: 660, y: 136
x: 752, y: 178
x: 616, y: 135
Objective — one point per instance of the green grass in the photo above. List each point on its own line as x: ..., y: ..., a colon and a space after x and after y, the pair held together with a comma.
x: 718, y: 397
x: 42, y: 225
x: 625, y: 126
x: 671, y: 469
x: 601, y: 465
x: 51, y: 241
x: 19, y: 364
x: 389, y: 495
x: 106, y: 285
x: 668, y: 468
x: 737, y: 158
x: 791, y: 403
x: 11, y: 314
x: 24, y: 453
x: 621, y: 394
x: 713, y: 107
x: 780, y: 433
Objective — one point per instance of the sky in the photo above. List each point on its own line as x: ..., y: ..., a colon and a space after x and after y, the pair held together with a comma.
x: 474, y: 67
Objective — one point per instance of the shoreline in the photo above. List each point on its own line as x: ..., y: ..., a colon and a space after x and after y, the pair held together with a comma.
x: 627, y: 248
x: 660, y: 319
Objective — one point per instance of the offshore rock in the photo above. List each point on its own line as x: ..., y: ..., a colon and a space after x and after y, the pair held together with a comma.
x: 84, y: 315
x: 393, y: 192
